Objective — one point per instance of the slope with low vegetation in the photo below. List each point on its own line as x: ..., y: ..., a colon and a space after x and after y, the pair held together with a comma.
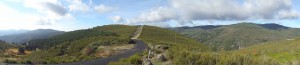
x: 237, y: 36
x: 176, y: 44
x: 284, y: 52
x: 185, y: 51
x: 7, y: 50
x: 4, y: 45
x: 86, y: 44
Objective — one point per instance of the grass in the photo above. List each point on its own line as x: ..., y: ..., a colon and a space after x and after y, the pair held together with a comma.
x: 181, y: 50
x: 186, y: 51
x: 284, y: 51
x: 79, y: 45
x: 235, y: 36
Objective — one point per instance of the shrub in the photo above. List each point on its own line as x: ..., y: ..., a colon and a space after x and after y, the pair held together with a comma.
x: 10, y: 61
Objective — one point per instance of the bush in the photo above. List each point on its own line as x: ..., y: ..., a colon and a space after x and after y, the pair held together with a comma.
x: 10, y: 61
x: 135, y: 59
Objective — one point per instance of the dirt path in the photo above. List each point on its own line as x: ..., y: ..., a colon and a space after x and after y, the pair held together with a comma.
x: 138, y: 48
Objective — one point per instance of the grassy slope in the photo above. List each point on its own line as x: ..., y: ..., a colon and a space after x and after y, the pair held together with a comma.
x: 237, y: 35
x: 3, y: 47
x: 159, y: 36
x: 285, y: 51
x: 71, y: 51
x: 156, y: 35
x: 180, y: 48
x: 187, y: 52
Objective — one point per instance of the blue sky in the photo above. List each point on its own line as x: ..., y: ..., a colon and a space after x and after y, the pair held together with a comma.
x: 68, y: 15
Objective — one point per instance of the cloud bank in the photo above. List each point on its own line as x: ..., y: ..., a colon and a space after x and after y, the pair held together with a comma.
x: 186, y: 11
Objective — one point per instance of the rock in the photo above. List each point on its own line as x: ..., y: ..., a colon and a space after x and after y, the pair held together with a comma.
x: 161, y: 47
x: 146, y: 62
x: 161, y: 57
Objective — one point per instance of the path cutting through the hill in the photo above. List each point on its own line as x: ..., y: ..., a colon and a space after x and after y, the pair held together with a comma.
x: 139, y: 47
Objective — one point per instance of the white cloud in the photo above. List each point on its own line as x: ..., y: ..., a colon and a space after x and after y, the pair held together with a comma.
x: 117, y: 19
x: 155, y: 15
x: 90, y: 2
x: 78, y: 5
x: 58, y: 9
x: 13, y: 19
x: 186, y: 11
x: 103, y: 9
x: 292, y: 14
x: 47, y: 12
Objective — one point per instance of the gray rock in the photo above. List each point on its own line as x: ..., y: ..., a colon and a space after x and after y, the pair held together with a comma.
x: 161, y: 57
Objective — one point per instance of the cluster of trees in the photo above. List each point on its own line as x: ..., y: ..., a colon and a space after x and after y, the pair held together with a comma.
x: 4, y: 45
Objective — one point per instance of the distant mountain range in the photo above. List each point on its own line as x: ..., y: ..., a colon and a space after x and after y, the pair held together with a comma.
x: 236, y: 36
x: 30, y: 35
x: 10, y: 32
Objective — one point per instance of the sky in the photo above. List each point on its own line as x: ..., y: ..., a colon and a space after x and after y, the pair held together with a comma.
x: 68, y: 15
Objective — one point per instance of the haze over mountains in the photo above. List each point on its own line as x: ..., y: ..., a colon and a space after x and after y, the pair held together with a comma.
x: 30, y: 35
x: 10, y: 32
x: 237, y: 36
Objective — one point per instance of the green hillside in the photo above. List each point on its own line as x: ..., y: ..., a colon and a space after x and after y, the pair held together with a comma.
x: 284, y: 51
x: 73, y: 46
x: 186, y: 51
x: 236, y: 36
x: 67, y: 37
x: 178, y: 46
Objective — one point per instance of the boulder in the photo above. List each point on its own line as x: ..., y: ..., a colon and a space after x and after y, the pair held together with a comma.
x: 161, y: 57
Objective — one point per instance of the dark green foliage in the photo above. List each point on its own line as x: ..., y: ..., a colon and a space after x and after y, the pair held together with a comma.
x: 132, y: 60
x: 10, y: 61
x: 135, y: 59
x: 21, y: 50
x: 4, y: 45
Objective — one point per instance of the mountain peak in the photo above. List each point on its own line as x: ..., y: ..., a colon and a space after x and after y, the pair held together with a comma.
x: 273, y: 26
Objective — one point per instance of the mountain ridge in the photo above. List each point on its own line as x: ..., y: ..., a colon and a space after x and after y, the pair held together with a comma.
x: 30, y: 35
x: 236, y: 36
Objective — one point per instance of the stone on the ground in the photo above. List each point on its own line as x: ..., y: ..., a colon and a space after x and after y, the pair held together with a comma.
x: 161, y: 57
x: 146, y: 62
